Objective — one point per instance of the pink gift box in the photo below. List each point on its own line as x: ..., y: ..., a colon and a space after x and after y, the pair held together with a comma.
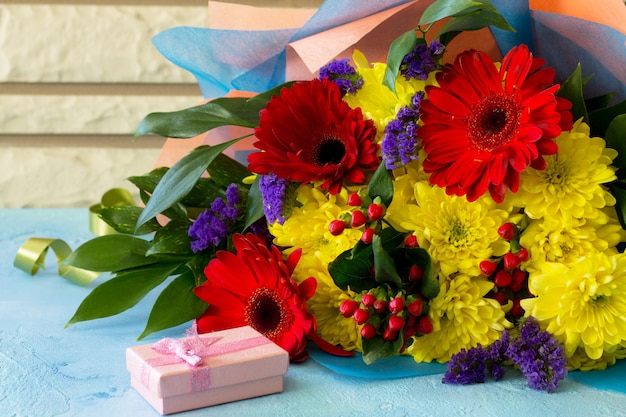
x: 239, y: 363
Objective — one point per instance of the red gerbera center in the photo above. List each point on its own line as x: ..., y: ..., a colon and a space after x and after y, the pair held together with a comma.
x: 267, y: 313
x: 493, y: 122
x: 329, y: 150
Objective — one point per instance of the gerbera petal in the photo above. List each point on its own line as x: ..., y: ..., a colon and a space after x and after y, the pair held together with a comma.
x: 307, y: 287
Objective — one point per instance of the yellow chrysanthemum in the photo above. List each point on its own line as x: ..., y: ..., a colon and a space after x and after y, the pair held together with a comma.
x: 583, y: 305
x: 307, y: 226
x: 571, y: 184
x: 324, y: 305
x: 580, y: 361
x: 378, y: 102
x: 555, y: 241
x: 457, y: 234
x: 462, y: 318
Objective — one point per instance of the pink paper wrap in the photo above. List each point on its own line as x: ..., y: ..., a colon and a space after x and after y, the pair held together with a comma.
x: 241, y: 364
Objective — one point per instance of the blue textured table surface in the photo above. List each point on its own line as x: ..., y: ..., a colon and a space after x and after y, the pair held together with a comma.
x: 46, y: 370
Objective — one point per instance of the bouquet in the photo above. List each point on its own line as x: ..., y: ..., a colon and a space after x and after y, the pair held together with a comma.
x: 450, y: 208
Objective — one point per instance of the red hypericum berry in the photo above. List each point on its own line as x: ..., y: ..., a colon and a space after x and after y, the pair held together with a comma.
x: 523, y: 255
x: 361, y: 316
x: 348, y: 307
x: 500, y: 297
x: 336, y: 227
x: 410, y: 332
x: 511, y: 261
x: 375, y: 211
x: 368, y: 236
x: 507, y: 231
x: 416, y: 273
x: 390, y: 335
x: 357, y: 219
x: 487, y: 267
x: 517, y: 310
x: 502, y: 278
x: 424, y: 325
x: 411, y: 241
x: 354, y: 200
x: 396, y: 305
x: 380, y: 306
x: 368, y: 299
x: 415, y: 308
x: 368, y: 331
x: 396, y: 323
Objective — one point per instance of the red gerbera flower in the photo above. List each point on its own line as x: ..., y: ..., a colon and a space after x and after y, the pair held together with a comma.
x: 483, y: 126
x: 254, y: 287
x: 309, y: 133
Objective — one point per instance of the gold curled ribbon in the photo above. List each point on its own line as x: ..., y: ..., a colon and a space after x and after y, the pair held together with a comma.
x: 32, y: 255
x: 113, y: 197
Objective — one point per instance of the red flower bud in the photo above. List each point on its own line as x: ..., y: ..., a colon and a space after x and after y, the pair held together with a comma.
x: 348, y: 307
x: 396, y: 305
x: 336, y: 227
x: 523, y: 255
x: 424, y: 325
x: 358, y: 218
x: 380, y: 306
x: 500, y: 297
x: 511, y: 261
x: 368, y: 299
x: 519, y: 276
x: 368, y: 236
x: 354, y: 200
x: 416, y: 273
x: 396, y: 323
x: 361, y: 316
x: 415, y: 308
x: 487, y: 267
x: 411, y: 241
x: 375, y: 211
x: 517, y: 310
x: 502, y: 278
x: 507, y: 231
x: 368, y: 331
x: 390, y: 335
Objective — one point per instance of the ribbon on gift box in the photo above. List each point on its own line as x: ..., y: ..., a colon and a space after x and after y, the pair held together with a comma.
x: 194, y: 352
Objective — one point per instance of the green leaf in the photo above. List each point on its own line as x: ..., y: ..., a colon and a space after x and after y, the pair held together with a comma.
x: 225, y: 171
x: 254, y: 203
x: 618, y: 189
x: 384, y: 265
x: 398, y: 49
x: 149, y: 181
x: 121, y: 292
x: 377, y: 348
x: 476, y: 20
x: 616, y: 138
x: 597, y: 103
x: 171, y: 239
x: 600, y: 119
x: 572, y: 89
x: 203, y: 193
x: 429, y: 285
x: 110, y: 253
x: 441, y: 9
x: 124, y: 218
x: 353, y: 270
x: 180, y: 179
x: 177, y: 304
x: 381, y: 185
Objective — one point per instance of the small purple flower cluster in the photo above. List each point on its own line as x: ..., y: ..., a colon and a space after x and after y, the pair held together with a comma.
x: 421, y: 61
x: 211, y: 226
x: 343, y: 74
x: 273, y: 191
x: 535, y: 352
x: 399, y: 145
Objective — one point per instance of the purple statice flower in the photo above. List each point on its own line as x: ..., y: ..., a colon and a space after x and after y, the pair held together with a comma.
x: 539, y: 356
x: 211, y: 226
x: 399, y: 144
x: 343, y: 74
x: 497, y: 355
x: 421, y: 61
x: 273, y: 192
x: 467, y: 367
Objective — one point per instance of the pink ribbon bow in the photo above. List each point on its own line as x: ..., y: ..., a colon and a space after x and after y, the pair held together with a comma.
x: 189, y: 350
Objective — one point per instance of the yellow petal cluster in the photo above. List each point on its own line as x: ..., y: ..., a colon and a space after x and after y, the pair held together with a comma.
x: 457, y: 234
x: 462, y: 318
x: 571, y: 185
x: 583, y: 305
